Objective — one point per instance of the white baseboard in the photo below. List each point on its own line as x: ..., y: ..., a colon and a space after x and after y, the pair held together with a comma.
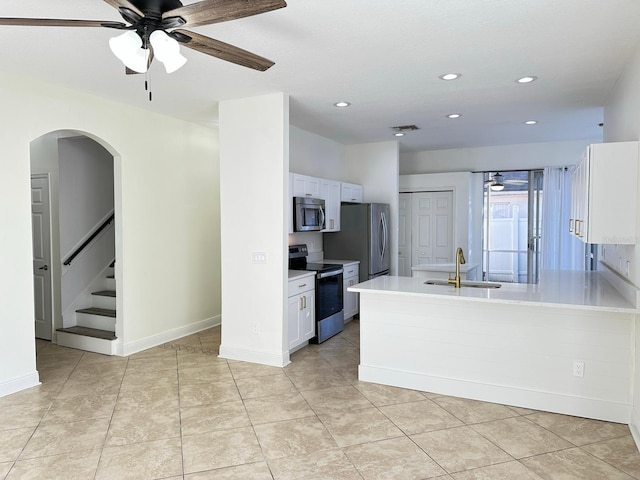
x: 18, y: 384
x: 166, y: 337
x: 264, y: 358
x: 634, y: 426
x: 537, y: 400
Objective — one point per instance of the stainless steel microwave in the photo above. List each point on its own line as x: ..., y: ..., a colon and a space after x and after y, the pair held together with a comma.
x: 308, y: 214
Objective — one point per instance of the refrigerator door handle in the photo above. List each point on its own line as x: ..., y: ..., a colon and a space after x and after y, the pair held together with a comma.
x: 383, y: 234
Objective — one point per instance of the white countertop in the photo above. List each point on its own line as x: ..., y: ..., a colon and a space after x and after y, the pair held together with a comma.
x: 293, y: 274
x: 344, y: 263
x: 444, y: 267
x: 573, y: 289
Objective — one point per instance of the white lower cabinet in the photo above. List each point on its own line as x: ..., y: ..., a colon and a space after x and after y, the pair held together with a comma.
x: 301, y: 311
x: 350, y: 277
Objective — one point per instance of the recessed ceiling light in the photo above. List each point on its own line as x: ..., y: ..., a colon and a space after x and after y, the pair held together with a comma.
x: 398, y: 134
x: 454, y: 115
x: 530, y: 122
x: 341, y: 104
x: 527, y: 79
x: 450, y: 76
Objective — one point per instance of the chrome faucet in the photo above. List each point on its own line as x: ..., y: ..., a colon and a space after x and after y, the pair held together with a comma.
x: 459, y: 261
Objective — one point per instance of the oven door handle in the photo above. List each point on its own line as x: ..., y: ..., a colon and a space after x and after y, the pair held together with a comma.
x: 332, y: 273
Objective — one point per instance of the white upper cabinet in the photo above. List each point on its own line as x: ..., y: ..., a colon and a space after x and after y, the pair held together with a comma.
x: 351, y: 193
x: 604, y: 194
x: 330, y: 193
x: 305, y: 186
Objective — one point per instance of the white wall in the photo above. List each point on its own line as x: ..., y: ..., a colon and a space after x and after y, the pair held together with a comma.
x: 622, y: 123
x: 85, y: 189
x: 85, y: 193
x: 316, y: 156
x: 254, y: 164
x: 167, y: 236
x: 502, y: 157
x: 311, y: 154
x: 375, y: 167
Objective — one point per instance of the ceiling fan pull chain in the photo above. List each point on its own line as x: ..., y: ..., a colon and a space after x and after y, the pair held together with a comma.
x: 146, y: 73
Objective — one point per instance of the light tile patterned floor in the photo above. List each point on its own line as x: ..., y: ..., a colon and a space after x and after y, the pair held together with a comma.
x: 180, y: 412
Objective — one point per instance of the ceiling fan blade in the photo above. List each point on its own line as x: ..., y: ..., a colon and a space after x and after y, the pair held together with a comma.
x: 224, y: 51
x: 57, y: 22
x: 216, y: 11
x: 124, y: 3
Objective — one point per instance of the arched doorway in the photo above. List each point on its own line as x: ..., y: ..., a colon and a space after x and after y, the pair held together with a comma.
x: 73, y: 222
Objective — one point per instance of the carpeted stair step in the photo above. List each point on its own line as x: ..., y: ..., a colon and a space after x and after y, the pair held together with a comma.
x: 89, y: 332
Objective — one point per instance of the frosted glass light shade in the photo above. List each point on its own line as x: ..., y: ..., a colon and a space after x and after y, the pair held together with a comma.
x: 167, y: 50
x: 127, y: 47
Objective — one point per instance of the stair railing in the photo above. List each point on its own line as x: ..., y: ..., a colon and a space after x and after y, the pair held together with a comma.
x: 89, y: 240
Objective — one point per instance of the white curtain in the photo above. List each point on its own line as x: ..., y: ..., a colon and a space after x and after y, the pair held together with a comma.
x: 560, y: 250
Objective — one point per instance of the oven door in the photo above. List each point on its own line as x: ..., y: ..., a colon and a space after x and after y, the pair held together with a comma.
x: 329, y: 294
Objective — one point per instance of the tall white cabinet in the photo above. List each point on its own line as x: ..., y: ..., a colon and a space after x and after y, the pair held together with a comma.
x: 604, y: 194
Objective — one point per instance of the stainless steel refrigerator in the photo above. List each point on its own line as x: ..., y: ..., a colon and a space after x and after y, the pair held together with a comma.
x: 363, y: 236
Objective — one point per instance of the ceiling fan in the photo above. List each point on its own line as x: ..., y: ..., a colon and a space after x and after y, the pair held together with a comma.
x: 153, y: 29
x: 497, y: 182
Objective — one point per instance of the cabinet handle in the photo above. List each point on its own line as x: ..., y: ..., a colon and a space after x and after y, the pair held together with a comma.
x: 301, y: 302
x: 305, y: 301
x: 307, y: 194
x: 303, y: 285
x: 571, y: 225
x: 579, y: 230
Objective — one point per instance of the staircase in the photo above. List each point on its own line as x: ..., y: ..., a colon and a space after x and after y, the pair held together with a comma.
x: 95, y: 327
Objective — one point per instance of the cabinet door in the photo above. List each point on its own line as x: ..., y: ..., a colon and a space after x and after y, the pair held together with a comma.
x: 294, y: 310
x: 351, y: 193
x: 612, y: 205
x: 305, y: 186
x: 307, y: 318
x: 330, y: 193
x: 350, y: 299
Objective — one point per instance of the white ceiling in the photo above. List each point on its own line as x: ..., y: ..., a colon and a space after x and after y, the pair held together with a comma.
x: 384, y: 57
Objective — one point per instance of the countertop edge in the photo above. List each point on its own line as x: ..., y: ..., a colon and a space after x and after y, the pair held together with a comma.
x: 610, y: 299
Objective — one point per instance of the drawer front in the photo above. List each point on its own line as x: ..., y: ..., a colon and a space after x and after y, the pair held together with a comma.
x: 351, y: 271
x: 300, y: 285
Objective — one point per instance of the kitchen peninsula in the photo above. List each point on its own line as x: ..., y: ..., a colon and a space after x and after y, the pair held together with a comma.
x: 565, y: 345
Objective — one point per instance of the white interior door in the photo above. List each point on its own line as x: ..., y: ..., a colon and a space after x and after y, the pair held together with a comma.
x: 40, y: 225
x: 404, y: 235
x: 432, y: 227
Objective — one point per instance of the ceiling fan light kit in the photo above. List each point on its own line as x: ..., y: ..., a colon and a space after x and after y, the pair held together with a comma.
x: 149, y: 30
x: 497, y: 184
x: 128, y: 48
x: 167, y: 50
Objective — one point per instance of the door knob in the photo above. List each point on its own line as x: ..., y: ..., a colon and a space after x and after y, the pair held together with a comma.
x: 45, y: 268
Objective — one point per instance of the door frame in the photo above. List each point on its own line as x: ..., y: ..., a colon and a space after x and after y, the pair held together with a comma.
x: 49, y: 248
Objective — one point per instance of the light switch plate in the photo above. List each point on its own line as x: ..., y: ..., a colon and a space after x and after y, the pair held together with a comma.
x: 259, y: 257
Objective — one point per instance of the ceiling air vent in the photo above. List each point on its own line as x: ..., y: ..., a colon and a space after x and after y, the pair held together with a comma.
x: 405, y: 128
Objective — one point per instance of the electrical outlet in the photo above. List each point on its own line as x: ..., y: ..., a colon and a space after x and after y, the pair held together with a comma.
x: 578, y: 368
x: 254, y: 328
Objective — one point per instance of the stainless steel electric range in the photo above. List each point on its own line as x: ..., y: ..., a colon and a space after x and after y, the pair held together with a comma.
x: 329, y: 300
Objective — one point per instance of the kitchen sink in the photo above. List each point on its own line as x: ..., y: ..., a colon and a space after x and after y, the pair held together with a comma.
x: 465, y: 283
